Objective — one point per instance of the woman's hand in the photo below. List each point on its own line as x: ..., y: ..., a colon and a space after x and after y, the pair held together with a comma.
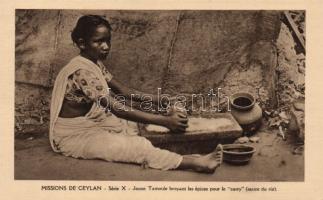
x: 177, y: 122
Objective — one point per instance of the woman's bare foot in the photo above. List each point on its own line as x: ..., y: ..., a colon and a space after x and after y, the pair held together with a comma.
x: 204, y: 164
x: 211, y: 161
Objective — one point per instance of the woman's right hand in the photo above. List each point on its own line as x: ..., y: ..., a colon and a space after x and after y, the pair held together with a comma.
x: 177, y: 122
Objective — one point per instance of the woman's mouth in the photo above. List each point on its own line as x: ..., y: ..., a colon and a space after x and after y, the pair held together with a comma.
x: 104, y: 55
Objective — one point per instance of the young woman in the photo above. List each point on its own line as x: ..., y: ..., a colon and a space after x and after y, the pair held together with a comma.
x: 81, y: 127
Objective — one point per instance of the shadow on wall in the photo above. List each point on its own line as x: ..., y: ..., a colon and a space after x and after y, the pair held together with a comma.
x: 180, y: 51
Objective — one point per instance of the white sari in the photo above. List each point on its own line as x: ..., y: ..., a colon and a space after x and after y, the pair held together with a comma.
x: 100, y: 135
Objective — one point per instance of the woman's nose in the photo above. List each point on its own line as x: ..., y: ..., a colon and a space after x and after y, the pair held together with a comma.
x: 105, y: 46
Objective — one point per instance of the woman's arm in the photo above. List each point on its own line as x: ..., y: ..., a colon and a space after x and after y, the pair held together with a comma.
x: 176, y: 122
x: 118, y: 88
x: 94, y: 90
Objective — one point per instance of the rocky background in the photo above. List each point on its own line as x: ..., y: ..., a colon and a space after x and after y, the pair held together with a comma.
x: 180, y: 51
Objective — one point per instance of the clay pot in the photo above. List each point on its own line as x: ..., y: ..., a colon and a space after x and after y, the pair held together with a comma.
x: 246, y: 111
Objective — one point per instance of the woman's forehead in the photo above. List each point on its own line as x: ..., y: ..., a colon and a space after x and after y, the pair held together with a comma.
x: 101, y: 31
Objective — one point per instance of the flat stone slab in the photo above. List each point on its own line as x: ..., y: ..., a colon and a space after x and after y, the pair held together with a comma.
x: 196, y: 141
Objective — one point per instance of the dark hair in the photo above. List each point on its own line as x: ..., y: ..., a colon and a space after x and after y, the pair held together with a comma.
x: 86, y: 25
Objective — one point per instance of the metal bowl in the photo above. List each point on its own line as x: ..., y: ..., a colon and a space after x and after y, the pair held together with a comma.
x: 237, y: 154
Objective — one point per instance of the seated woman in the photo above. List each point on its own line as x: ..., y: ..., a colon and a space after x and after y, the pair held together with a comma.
x: 82, y: 127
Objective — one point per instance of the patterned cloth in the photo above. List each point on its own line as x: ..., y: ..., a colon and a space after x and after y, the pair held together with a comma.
x: 84, y: 87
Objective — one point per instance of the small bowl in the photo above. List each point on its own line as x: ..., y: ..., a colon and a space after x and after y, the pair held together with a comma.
x: 237, y: 154
x: 242, y: 101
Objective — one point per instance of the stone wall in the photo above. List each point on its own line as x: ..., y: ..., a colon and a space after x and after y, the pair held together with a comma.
x: 179, y: 51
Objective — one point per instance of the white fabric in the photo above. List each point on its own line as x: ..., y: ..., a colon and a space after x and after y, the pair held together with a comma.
x: 82, y: 138
x: 98, y: 134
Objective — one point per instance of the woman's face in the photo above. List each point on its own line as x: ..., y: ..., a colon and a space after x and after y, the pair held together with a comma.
x: 98, y: 46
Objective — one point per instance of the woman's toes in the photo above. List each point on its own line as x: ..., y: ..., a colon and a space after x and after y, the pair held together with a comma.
x: 219, y: 156
x: 219, y: 147
x: 219, y: 153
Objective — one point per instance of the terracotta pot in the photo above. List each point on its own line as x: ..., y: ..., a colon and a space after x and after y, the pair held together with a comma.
x: 246, y: 111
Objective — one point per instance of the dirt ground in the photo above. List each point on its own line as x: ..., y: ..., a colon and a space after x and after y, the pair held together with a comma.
x: 273, y: 161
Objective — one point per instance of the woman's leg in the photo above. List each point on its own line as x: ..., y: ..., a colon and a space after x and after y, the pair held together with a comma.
x: 136, y: 149
x: 207, y: 163
x: 130, y: 149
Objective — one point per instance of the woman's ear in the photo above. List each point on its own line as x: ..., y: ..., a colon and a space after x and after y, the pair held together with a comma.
x: 81, y: 43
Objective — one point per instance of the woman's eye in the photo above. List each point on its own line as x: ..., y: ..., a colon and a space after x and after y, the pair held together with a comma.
x: 102, y: 41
